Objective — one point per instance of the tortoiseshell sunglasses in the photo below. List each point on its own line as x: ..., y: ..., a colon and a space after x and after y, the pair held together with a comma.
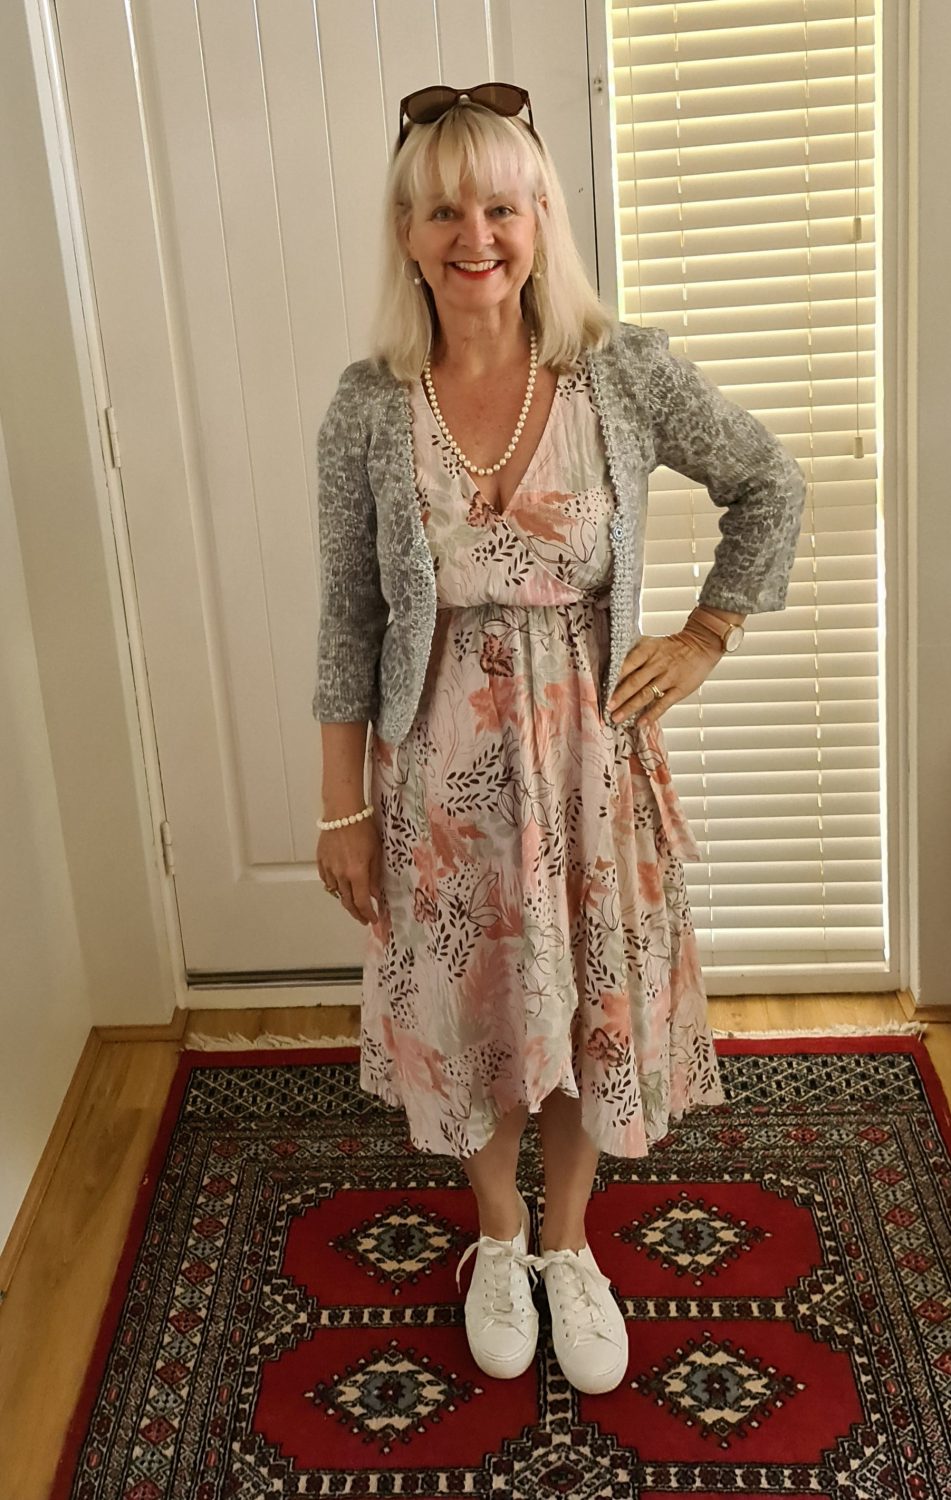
x: 426, y: 105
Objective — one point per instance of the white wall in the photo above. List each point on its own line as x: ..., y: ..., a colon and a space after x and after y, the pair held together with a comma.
x: 928, y: 527
x: 45, y: 1012
x: 81, y: 928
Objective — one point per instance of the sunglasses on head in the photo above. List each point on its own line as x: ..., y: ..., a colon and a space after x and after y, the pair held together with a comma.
x: 426, y: 105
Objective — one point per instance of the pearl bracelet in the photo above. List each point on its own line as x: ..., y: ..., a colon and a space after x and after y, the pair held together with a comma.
x: 342, y: 822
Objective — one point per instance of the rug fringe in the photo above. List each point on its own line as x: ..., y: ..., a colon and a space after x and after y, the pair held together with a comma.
x: 236, y: 1043
x: 890, y: 1028
x: 194, y: 1041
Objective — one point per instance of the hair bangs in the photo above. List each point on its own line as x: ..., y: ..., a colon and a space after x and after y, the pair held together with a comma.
x: 473, y: 144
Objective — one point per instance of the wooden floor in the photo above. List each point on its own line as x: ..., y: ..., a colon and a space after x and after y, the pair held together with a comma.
x: 49, y: 1320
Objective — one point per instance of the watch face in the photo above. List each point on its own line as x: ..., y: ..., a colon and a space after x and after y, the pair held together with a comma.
x: 733, y: 638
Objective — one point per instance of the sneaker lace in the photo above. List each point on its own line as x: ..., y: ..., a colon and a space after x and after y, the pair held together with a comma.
x: 585, y: 1316
x: 500, y: 1257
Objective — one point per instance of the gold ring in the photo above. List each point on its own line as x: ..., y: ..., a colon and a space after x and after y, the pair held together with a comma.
x: 331, y: 891
x: 658, y: 692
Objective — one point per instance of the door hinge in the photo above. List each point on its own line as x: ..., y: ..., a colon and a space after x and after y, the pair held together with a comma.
x: 167, y: 854
x: 111, y: 437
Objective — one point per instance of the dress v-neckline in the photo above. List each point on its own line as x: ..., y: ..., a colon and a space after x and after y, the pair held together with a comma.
x: 530, y: 467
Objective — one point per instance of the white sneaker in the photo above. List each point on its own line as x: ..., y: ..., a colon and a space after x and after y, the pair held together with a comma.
x: 587, y: 1326
x: 501, y: 1319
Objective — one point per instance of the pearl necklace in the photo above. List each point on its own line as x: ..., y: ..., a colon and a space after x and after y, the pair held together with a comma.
x: 467, y: 463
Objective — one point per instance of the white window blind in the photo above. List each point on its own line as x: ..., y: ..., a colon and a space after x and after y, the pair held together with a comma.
x: 743, y: 137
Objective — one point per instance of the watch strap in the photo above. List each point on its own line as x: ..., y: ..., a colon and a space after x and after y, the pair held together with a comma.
x: 713, y: 622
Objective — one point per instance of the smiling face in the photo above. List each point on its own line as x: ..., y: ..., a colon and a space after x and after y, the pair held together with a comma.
x: 475, y: 249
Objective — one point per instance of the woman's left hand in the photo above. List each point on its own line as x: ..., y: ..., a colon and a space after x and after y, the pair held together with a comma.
x: 676, y: 663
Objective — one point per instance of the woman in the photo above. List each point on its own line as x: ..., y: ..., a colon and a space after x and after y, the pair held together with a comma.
x: 482, y: 487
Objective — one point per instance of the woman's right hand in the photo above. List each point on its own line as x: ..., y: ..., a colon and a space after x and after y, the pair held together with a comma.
x: 350, y: 860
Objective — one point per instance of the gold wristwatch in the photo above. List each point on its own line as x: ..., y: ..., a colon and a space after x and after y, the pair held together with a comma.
x: 731, y: 636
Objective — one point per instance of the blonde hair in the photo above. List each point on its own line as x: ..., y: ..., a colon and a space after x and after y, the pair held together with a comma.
x: 471, y: 142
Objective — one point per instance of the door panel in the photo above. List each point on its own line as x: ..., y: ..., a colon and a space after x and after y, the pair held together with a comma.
x: 231, y: 161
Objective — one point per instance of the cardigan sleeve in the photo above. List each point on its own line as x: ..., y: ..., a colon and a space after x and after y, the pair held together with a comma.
x: 353, y: 609
x: 700, y: 432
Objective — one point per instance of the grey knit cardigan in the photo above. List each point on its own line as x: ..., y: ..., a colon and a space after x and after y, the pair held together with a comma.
x: 377, y: 580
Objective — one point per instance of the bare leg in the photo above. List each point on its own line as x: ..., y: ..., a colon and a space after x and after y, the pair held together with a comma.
x: 571, y: 1160
x: 491, y: 1173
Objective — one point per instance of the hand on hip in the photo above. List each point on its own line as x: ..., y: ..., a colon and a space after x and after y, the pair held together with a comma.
x: 676, y: 664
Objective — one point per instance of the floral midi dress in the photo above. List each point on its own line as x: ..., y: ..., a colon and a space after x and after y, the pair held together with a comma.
x: 534, y: 931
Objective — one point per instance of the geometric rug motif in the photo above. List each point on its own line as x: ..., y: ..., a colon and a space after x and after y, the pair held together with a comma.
x: 719, y: 1389
x: 690, y: 1236
x: 285, y: 1321
x: 400, y: 1243
x: 391, y: 1394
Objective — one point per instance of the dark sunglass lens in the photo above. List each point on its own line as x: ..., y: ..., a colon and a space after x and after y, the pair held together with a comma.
x: 429, y: 104
x: 504, y: 98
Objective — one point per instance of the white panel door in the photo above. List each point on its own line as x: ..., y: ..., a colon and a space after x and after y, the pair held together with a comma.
x: 231, y: 160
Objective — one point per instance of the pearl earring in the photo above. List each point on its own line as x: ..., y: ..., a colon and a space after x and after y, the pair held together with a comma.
x: 414, y: 279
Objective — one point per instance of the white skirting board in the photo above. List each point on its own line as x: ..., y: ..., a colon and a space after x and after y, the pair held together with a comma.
x: 234, y: 1043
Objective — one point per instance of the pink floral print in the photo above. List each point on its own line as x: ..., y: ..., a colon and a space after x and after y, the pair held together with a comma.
x: 534, y: 931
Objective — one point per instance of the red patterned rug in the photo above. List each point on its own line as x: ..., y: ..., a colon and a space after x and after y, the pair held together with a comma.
x: 285, y: 1321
